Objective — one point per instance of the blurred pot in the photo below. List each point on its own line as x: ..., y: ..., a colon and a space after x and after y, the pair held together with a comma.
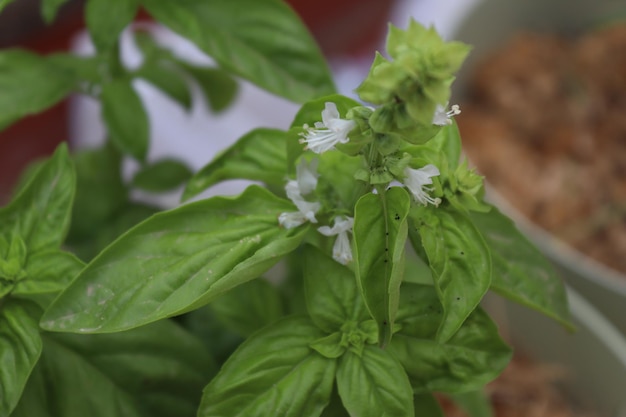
x: 594, y: 356
x: 488, y: 26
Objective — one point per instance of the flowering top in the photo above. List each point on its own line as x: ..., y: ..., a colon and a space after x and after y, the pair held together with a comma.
x: 342, y: 251
x: 443, y: 117
x: 416, y: 181
x: 327, y: 133
x: 305, y: 183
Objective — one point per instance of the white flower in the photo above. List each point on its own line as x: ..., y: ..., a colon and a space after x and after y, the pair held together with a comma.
x: 293, y: 219
x: 443, y: 117
x: 305, y: 183
x: 327, y: 133
x: 342, y: 251
x: 416, y: 181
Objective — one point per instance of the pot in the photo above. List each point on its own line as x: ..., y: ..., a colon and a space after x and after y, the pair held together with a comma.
x: 594, y: 356
x: 486, y: 27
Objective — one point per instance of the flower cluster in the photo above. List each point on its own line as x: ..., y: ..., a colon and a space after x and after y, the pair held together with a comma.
x: 304, y: 184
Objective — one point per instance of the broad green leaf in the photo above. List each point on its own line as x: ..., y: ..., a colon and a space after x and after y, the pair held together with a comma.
x: 374, y: 384
x: 163, y: 175
x: 162, y: 366
x: 168, y: 80
x: 380, y: 230
x: 176, y: 261
x: 273, y: 373
x: 219, y: 87
x: 40, y: 212
x: 459, y: 260
x: 260, y: 155
x: 49, y: 9
x: 84, y: 68
x: 20, y: 347
x: 520, y: 272
x: 47, y: 274
x: 474, y: 356
x: 100, y: 192
x: 332, y: 296
x: 30, y: 83
x: 262, y: 41
x: 125, y: 118
x: 106, y: 19
x: 66, y: 384
x: 249, y: 307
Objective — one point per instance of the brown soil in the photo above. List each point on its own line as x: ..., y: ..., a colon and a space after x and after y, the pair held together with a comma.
x: 527, y: 389
x: 545, y: 123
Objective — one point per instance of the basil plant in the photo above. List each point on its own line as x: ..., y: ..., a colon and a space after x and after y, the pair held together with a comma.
x: 348, y: 283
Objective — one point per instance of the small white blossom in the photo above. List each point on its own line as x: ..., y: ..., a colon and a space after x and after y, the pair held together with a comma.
x: 305, y: 183
x: 443, y: 117
x: 327, y: 133
x: 342, y: 250
x: 416, y: 180
x: 292, y: 219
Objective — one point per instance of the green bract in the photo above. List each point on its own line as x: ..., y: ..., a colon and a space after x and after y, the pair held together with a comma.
x: 411, y: 84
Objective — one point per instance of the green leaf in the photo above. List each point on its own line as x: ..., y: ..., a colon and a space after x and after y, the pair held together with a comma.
x: 29, y: 84
x: 40, y: 213
x: 163, y: 175
x: 49, y: 9
x: 260, y: 155
x: 474, y: 356
x: 262, y: 41
x: 106, y: 19
x: 20, y: 347
x: 65, y: 384
x: 100, y: 192
x: 520, y: 272
x: 125, y: 118
x: 219, y: 87
x: 374, y: 384
x: 273, y: 373
x: 168, y: 80
x: 47, y: 274
x: 459, y: 260
x: 176, y: 261
x: 380, y: 230
x: 162, y: 366
x: 249, y: 307
x: 332, y: 297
